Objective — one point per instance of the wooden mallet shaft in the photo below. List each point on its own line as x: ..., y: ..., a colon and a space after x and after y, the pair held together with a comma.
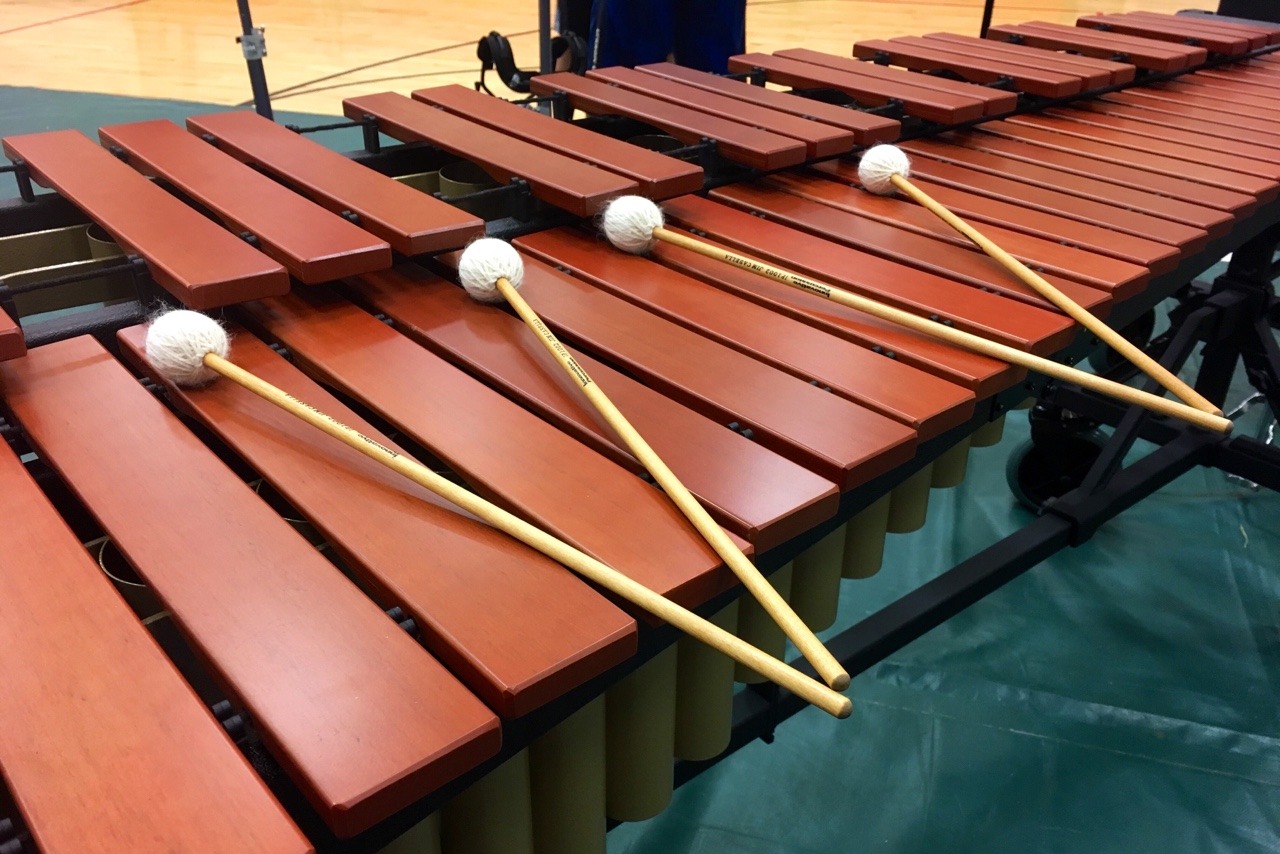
x: 759, y: 587
x: 588, y: 567
x: 1070, y: 307
x: 956, y: 337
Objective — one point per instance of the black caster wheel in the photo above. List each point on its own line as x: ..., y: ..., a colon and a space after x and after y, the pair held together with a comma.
x: 1039, y: 472
x: 1111, y: 364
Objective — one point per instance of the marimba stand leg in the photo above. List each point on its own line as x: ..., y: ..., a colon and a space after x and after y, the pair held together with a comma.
x: 704, y: 693
x: 758, y: 629
x: 1235, y: 316
x: 864, y: 539
x: 1248, y: 281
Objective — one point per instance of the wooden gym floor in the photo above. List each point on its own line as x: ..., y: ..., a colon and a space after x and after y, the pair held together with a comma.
x: 321, y: 51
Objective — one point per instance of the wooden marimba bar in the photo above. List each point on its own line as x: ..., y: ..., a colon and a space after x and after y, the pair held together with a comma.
x: 418, y: 659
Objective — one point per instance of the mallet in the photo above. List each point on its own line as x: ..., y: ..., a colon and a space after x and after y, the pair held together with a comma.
x: 491, y: 270
x: 885, y: 168
x: 633, y: 223
x: 190, y: 349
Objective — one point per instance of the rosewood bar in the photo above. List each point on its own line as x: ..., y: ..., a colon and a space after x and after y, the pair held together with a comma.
x: 561, y: 181
x: 820, y: 140
x: 1010, y: 212
x: 921, y: 401
x: 867, y: 128
x: 199, y: 263
x: 500, y: 449
x: 747, y: 488
x: 758, y: 149
x: 657, y: 175
x: 909, y: 248
x: 1146, y: 54
x: 975, y: 69
x: 1119, y: 278
x: 79, y: 692
x: 412, y: 222
x: 865, y: 87
x: 295, y: 641
x: 478, y: 597
x: 313, y: 244
x: 1012, y: 322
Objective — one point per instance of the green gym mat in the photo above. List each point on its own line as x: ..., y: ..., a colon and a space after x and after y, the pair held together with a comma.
x: 27, y: 110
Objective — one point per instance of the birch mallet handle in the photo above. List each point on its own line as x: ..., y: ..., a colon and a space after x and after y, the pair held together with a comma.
x: 588, y: 567
x: 1068, y: 306
x: 773, y: 603
x: 956, y: 337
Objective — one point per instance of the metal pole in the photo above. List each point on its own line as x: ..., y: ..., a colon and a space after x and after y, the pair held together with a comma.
x: 544, y: 35
x: 987, y: 9
x: 254, y: 46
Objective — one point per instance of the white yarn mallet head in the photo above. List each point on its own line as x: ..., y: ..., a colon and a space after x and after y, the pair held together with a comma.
x: 629, y: 221
x: 879, y: 164
x: 485, y: 261
x: 177, y: 342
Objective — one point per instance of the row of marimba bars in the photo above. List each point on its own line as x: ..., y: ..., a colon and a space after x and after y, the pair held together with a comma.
x: 318, y: 328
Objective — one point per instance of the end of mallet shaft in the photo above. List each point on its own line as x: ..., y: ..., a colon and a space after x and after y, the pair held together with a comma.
x: 1204, y: 420
x: 830, y: 671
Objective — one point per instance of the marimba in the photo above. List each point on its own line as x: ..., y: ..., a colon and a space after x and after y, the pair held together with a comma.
x: 383, y: 660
